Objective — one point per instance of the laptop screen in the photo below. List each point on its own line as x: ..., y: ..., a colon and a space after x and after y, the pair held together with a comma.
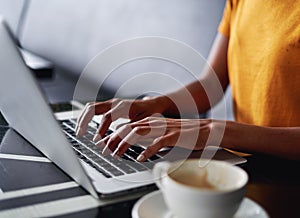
x: 24, y: 107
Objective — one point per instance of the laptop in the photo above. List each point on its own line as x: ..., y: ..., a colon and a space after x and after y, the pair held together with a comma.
x: 26, y: 110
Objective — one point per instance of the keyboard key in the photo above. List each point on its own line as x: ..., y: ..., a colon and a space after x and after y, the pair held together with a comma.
x: 103, y: 172
x: 64, y: 127
x: 80, y: 148
x: 108, y: 132
x: 84, y: 140
x: 137, y: 149
x: 131, y: 153
x: 135, y: 165
x: 154, y: 157
x: 80, y: 155
x: 109, y: 158
x: 89, y: 136
x: 91, y: 130
x: 72, y: 125
x: 76, y: 145
x: 97, y: 150
x: 120, y: 164
x: 149, y: 164
x: 114, y: 171
x: 91, y: 155
x: 93, y: 124
x: 94, y: 147
x: 101, y: 162
x: 126, y: 168
x: 69, y: 131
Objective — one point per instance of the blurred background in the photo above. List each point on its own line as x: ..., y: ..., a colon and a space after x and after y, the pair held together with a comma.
x: 60, y: 37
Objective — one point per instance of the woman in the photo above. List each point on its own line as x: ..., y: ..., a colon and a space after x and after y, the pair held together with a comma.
x: 257, y: 51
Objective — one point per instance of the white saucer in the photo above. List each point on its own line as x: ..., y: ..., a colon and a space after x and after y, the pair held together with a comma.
x: 152, y: 205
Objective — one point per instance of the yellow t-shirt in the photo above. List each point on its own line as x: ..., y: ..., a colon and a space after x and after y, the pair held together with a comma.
x: 264, y: 60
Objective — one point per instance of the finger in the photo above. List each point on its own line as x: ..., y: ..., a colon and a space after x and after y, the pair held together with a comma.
x: 159, y: 143
x: 87, y: 114
x: 191, y: 138
x: 103, y: 126
x: 84, y: 119
x: 89, y: 111
x: 129, y: 134
x: 137, y: 117
x: 175, y: 123
x: 83, y: 110
x: 111, y: 145
x: 79, y: 118
x: 137, y: 134
x: 117, y: 111
x: 121, y: 125
x: 115, y: 138
x: 102, y: 143
x: 130, y: 139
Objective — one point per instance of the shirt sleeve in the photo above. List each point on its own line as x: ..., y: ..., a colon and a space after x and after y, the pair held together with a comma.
x: 224, y: 26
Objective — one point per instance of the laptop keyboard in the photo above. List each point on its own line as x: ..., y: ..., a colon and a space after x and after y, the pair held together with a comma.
x: 107, y: 165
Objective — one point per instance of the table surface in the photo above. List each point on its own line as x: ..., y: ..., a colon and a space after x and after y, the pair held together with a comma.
x: 273, y: 183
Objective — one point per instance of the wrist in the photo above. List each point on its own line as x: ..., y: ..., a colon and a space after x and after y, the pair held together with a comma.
x: 243, y: 137
x: 167, y: 106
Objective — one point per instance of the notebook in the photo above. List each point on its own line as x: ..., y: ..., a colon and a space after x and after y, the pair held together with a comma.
x: 26, y: 110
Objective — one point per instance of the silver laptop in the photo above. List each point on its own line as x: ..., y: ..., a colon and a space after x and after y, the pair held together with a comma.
x: 26, y: 110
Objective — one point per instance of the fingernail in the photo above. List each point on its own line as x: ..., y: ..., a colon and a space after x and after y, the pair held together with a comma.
x: 96, y: 138
x: 116, y: 153
x: 141, y: 157
x: 106, y: 151
x: 100, y: 143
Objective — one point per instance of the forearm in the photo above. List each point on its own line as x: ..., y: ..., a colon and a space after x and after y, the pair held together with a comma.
x: 202, y: 94
x: 191, y: 99
x: 278, y: 141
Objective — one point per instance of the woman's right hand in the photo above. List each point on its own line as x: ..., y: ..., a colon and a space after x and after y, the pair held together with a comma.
x: 119, y: 108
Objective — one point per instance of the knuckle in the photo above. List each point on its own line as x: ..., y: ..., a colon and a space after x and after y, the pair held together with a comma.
x: 89, y: 104
x: 159, y: 122
x: 158, y: 141
x: 151, y: 150
x: 114, y: 101
x: 137, y: 130
x: 106, y: 116
x: 113, y: 138
x: 127, y: 127
x: 121, y: 105
x: 90, y: 107
x: 147, y: 119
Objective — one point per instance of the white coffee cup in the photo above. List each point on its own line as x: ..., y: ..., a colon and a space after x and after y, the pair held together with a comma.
x: 201, y: 188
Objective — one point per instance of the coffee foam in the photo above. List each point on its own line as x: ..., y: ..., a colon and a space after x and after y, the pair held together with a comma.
x: 209, y: 177
x: 198, y: 180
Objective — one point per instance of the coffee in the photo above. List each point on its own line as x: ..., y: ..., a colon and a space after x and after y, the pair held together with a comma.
x: 201, y: 188
x: 195, y: 179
